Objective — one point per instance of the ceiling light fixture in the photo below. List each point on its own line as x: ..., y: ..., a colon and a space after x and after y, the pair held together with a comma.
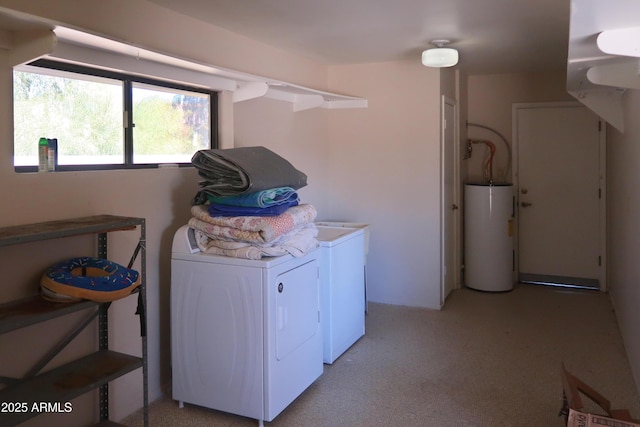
x: 440, y: 56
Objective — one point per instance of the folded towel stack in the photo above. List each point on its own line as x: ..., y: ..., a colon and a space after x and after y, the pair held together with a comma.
x: 248, y: 207
x: 271, y: 202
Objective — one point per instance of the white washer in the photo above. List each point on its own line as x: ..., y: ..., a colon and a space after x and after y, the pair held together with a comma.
x: 343, y: 248
x: 245, y: 334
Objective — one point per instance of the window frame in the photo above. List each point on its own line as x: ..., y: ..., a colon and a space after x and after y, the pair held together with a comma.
x: 127, y: 111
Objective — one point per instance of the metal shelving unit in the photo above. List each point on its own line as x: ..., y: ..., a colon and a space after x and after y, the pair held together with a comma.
x: 95, y: 370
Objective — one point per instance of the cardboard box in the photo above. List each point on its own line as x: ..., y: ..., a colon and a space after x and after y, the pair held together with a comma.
x: 572, y: 408
x: 583, y: 419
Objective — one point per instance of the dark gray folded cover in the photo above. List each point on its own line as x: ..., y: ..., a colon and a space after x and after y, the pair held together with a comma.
x: 234, y: 171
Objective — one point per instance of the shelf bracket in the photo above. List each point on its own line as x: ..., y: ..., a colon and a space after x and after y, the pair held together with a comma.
x: 621, y: 41
x: 623, y: 75
x: 251, y: 90
x: 30, y: 45
x: 307, y: 102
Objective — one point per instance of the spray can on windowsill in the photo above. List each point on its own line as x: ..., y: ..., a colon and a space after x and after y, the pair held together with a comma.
x: 43, y: 151
x: 52, y: 154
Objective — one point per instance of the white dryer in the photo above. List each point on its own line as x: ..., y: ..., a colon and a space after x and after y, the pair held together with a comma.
x: 245, y: 334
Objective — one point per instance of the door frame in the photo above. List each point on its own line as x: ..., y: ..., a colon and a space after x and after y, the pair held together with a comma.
x: 602, y: 178
x: 444, y: 210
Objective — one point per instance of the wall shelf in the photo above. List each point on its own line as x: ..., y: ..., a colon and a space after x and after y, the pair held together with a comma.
x: 32, y: 310
x: 65, y: 228
x: 603, y: 55
x: 69, y: 45
x: 67, y: 382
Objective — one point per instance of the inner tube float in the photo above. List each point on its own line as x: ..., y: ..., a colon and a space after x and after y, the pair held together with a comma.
x: 90, y: 278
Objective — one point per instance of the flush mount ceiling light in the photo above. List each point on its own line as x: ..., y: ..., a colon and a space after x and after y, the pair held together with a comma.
x: 440, y: 56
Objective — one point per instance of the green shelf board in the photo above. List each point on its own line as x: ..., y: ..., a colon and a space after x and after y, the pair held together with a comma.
x: 29, y: 311
x: 66, y: 382
x: 18, y: 234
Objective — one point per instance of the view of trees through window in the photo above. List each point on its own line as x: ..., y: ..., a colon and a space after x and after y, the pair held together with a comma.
x: 170, y: 125
x: 86, y: 114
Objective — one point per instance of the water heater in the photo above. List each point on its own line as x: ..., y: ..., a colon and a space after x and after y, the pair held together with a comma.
x: 488, y: 242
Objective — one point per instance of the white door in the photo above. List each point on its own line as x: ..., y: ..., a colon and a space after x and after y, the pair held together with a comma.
x: 559, y: 185
x: 297, y: 308
x: 449, y: 207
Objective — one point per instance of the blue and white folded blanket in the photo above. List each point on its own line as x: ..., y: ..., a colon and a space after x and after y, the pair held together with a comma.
x: 258, y: 199
x: 228, y: 210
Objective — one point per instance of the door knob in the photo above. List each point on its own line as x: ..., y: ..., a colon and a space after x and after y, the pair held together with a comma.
x: 525, y: 204
x: 454, y: 207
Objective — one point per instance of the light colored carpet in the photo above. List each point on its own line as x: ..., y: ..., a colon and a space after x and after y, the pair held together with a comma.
x: 485, y: 360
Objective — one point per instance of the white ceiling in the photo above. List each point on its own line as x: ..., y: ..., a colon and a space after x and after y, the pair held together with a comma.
x: 492, y: 36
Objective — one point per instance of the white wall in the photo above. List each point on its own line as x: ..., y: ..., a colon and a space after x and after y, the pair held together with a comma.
x: 299, y: 137
x: 490, y: 101
x: 379, y: 165
x: 623, y: 197
x: 384, y: 169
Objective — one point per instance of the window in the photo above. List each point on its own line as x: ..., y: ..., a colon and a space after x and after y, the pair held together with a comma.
x: 105, y: 120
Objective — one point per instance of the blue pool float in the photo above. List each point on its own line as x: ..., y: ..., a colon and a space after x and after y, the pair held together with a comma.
x: 90, y: 278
